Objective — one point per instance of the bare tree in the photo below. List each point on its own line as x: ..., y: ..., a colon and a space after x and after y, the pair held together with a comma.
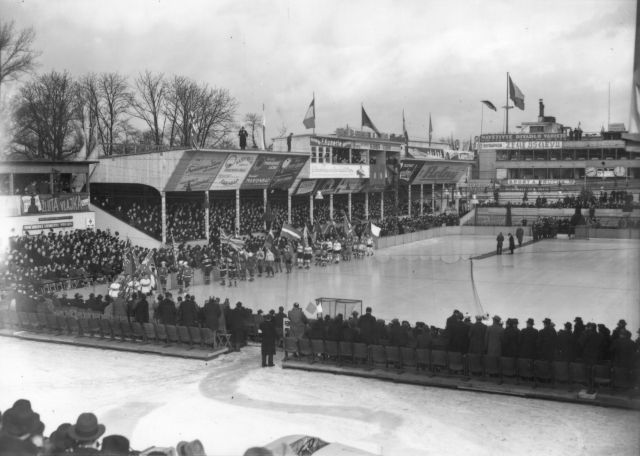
x: 87, y: 109
x: 45, y: 118
x: 214, y: 116
x: 253, y: 119
x: 180, y: 103
x: 148, y: 104
x: 111, y: 100
x: 16, y: 54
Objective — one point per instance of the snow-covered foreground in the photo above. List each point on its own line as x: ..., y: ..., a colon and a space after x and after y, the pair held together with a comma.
x: 231, y: 403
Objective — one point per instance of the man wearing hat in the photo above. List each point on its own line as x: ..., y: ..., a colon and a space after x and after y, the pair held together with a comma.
x: 547, y: 339
x: 477, y: 334
x: 268, y: 343
x: 86, y: 433
x: 528, y: 341
x: 565, y: 346
x: 591, y: 344
x: 115, y: 445
x: 493, y: 340
x: 511, y: 339
x: 298, y: 321
x: 163, y: 272
x: 21, y: 430
x: 622, y: 326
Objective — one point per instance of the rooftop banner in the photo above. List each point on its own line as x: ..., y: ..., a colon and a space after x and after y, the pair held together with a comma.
x: 521, y: 145
x: 262, y: 172
x: 408, y: 170
x: 306, y: 187
x: 350, y: 185
x: 291, y: 167
x: 521, y: 137
x: 233, y: 172
x: 333, y: 171
x: 195, y: 171
x: 440, y: 173
x: 65, y: 202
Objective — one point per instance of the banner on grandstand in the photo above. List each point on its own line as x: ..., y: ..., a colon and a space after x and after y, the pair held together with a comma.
x: 340, y: 170
x: 291, y: 167
x: 306, y: 187
x: 233, y: 172
x: 541, y: 181
x: 427, y: 153
x: 262, y: 172
x: 408, y: 170
x: 195, y: 171
x: 448, y: 173
x: 350, y: 185
x: 327, y: 186
x: 518, y: 145
x: 74, y: 202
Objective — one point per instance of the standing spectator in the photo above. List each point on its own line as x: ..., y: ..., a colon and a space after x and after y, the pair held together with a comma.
x: 500, y: 241
x: 242, y: 134
x: 528, y: 341
x: 141, y: 312
x: 211, y: 313
x: 289, y: 142
x: 622, y: 326
x: 591, y: 345
x: 187, y: 312
x: 298, y: 321
x: 512, y: 244
x: 86, y: 433
x: 547, y: 341
x: 519, y: 235
x: 237, y: 326
x: 278, y: 321
x: 477, y: 334
x: 21, y: 430
x: 565, y: 345
x: 493, y: 340
x: 367, y: 324
x: 167, y: 312
x: 511, y: 338
x: 623, y: 350
x: 268, y: 343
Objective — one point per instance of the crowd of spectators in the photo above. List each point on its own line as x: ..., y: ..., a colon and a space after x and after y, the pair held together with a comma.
x: 22, y: 433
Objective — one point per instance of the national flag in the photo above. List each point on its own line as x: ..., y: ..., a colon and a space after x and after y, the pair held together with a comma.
x: 489, y: 105
x: 305, y: 236
x: 174, y: 249
x: 264, y: 129
x: 136, y: 261
x: 235, y: 243
x: 430, y: 129
x: 310, y: 117
x: 516, y: 95
x: 289, y: 232
x: 366, y: 122
x: 634, y: 120
x: 268, y: 241
x: 268, y: 215
x: 346, y: 225
x: 375, y: 230
x: 145, y: 266
x: 404, y: 129
x: 127, y: 263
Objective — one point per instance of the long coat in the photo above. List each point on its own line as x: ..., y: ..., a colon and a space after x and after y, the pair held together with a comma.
x: 167, y: 312
x: 212, y: 315
x: 547, y: 339
x: 268, y: 344
x: 298, y: 322
x: 510, y: 341
x: 477, y: 334
x: 493, y: 340
x: 528, y: 343
x: 188, y: 313
x: 141, y: 312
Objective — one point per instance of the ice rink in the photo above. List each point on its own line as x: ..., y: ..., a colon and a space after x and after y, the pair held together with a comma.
x: 231, y: 403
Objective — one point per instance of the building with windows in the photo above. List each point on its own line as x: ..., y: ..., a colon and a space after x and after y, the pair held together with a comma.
x: 547, y: 152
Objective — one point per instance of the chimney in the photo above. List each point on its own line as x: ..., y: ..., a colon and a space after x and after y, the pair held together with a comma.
x: 541, y: 114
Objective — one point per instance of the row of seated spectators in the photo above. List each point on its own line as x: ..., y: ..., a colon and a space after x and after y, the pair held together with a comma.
x: 591, y: 343
x: 23, y: 434
x: 612, y: 200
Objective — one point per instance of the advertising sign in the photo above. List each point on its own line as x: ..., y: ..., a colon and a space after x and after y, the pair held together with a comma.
x: 263, y: 170
x: 232, y: 174
x: 73, y: 202
x: 540, y: 181
x: 517, y: 145
x: 338, y: 171
x: 350, y: 185
x: 195, y: 171
x: 327, y: 186
x: 408, y: 170
x: 288, y: 172
x: 427, y: 153
x: 521, y: 137
x: 501, y: 173
x: 306, y: 187
x: 448, y: 173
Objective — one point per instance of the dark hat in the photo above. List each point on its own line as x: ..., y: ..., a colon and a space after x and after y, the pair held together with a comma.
x: 21, y: 420
x: 577, y: 319
x: 530, y: 321
x: 193, y: 448
x: 622, y: 323
x: 546, y: 321
x: 497, y: 318
x: 115, y: 445
x: 567, y: 325
x: 87, y: 428
x: 60, y: 438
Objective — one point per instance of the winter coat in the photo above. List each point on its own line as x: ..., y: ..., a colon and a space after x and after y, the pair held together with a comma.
x: 493, y: 340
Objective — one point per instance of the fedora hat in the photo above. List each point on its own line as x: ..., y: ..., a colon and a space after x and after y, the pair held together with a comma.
x: 87, y: 428
x: 193, y: 448
x: 19, y: 421
x: 115, y: 445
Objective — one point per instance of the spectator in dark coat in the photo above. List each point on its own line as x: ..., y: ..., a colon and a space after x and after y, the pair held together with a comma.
x: 477, y: 334
x: 565, y: 345
x: 237, y: 326
x: 528, y: 341
x: 511, y: 339
x: 141, y: 312
x: 367, y: 324
x: 167, y: 312
x: 298, y: 321
x: 578, y: 329
x: 423, y: 337
x: 268, y: 343
x: 211, y: 314
x: 547, y: 339
x: 278, y: 319
x: 188, y: 312
x: 591, y: 345
x: 623, y: 350
x: 622, y: 326
x: 493, y: 339
x: 605, y: 342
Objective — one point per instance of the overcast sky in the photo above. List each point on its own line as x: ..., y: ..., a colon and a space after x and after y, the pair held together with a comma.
x: 440, y: 57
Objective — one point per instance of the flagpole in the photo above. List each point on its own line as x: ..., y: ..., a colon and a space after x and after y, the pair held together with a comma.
x: 314, y: 113
x: 506, y: 107
x: 481, y: 117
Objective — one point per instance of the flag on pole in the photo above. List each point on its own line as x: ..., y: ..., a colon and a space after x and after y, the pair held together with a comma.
x: 305, y: 236
x: 375, y: 230
x: 430, y: 129
x: 404, y: 129
x: 264, y: 129
x: 516, y: 95
x: 235, y: 243
x: 268, y: 215
x: 366, y: 122
x: 310, y: 117
x: 634, y: 118
x: 174, y: 248
x: 127, y: 264
x: 289, y: 232
x: 489, y: 105
x: 268, y: 241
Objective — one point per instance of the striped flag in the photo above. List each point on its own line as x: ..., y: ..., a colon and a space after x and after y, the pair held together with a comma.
x: 264, y: 129
x: 289, y: 232
x: 235, y: 243
x: 516, y: 95
x: 489, y: 105
x: 310, y: 117
x: 366, y: 121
